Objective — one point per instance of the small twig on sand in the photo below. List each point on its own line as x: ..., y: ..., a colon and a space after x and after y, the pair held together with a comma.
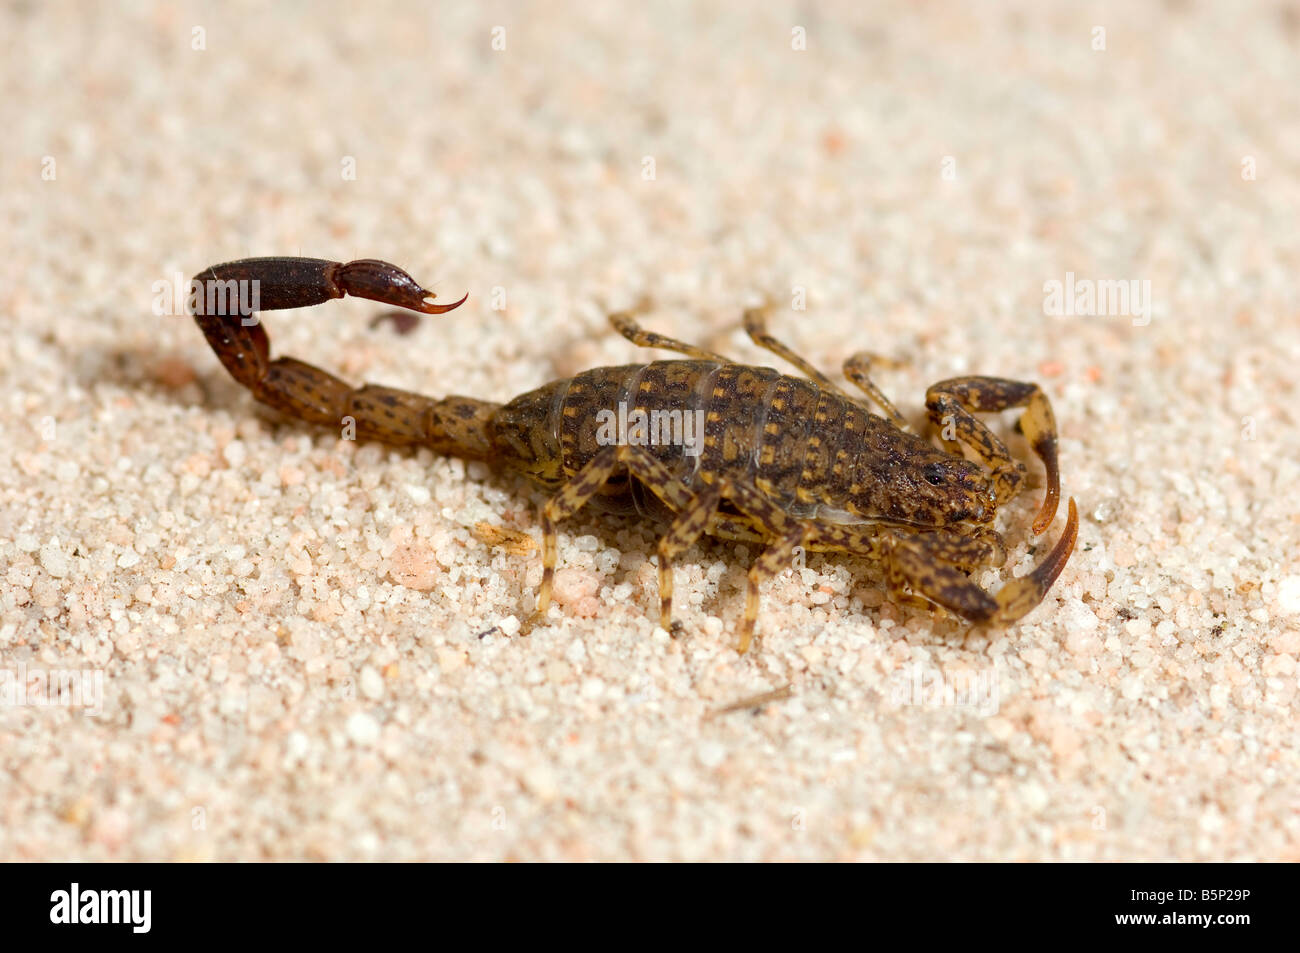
x: 754, y: 702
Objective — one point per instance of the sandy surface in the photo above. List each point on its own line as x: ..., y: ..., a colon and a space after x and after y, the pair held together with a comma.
x: 283, y: 625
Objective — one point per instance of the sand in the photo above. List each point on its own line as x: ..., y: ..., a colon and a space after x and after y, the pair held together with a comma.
x: 280, y: 634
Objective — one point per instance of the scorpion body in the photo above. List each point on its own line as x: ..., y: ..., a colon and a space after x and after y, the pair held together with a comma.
x: 778, y: 460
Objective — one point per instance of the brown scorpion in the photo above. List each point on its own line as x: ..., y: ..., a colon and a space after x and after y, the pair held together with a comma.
x: 781, y: 461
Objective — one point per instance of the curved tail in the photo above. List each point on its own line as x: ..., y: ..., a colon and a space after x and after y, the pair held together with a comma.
x: 224, y: 300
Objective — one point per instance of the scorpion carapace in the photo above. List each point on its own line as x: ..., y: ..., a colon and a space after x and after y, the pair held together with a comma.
x: 712, y: 446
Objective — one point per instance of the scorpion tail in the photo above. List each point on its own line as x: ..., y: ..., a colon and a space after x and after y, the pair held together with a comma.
x: 224, y: 299
x: 1019, y: 597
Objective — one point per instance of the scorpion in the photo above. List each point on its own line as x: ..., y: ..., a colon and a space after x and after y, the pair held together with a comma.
x: 783, y: 461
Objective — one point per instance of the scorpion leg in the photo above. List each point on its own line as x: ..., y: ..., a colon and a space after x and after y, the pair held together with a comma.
x: 690, y: 523
x: 953, y: 403
x: 637, y: 461
x: 695, y: 512
x: 786, y: 533
x: 921, y: 564
x: 755, y: 321
x: 700, y: 513
x: 769, y: 564
x: 625, y: 325
x: 965, y: 551
x: 858, y: 369
x: 735, y: 527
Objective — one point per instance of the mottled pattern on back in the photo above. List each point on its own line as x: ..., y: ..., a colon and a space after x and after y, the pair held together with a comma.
x: 808, y: 450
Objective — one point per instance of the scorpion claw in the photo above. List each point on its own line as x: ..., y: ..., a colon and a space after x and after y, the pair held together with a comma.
x: 1046, y: 450
x: 922, y: 575
x: 1018, y: 597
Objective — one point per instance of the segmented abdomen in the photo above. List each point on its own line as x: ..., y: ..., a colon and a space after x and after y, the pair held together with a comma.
x: 801, y: 446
